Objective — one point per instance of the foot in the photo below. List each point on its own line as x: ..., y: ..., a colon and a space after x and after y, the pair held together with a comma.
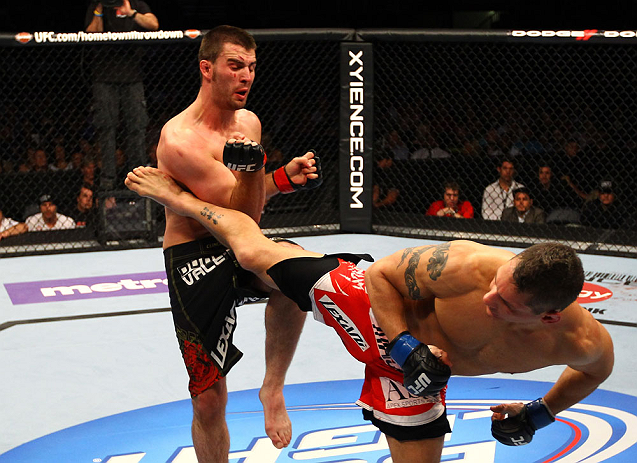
x: 277, y: 422
x: 154, y: 184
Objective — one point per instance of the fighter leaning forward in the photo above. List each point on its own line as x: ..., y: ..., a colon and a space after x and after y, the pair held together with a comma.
x: 480, y: 310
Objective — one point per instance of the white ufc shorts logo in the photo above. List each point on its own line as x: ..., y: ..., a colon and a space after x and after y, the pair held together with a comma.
x: 420, y: 384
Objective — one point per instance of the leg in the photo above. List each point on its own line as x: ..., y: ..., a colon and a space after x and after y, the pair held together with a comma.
x: 106, y: 120
x: 421, y: 451
x: 283, y: 324
x: 209, y: 429
x: 134, y: 112
x: 253, y: 251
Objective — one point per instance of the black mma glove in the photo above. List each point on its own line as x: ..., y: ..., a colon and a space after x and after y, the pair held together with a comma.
x: 243, y: 157
x: 519, y: 429
x: 285, y: 185
x: 423, y: 373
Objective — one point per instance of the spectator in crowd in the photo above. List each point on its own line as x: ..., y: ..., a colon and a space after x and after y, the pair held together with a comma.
x: 395, y: 145
x: 523, y: 210
x: 10, y: 227
x: 77, y: 159
x: 48, y: 218
x: 60, y: 163
x: 549, y: 193
x: 88, y: 172
x: 427, y: 146
x: 40, y: 161
x: 498, y: 195
x: 84, y: 214
x: 604, y: 211
x: 385, y: 193
x: 573, y: 168
x: 117, y: 83
x: 450, y: 204
x: 28, y: 160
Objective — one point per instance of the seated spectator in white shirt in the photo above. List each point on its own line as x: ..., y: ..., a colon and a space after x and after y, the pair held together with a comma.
x: 10, y: 227
x: 48, y: 217
x: 523, y: 210
x: 498, y: 195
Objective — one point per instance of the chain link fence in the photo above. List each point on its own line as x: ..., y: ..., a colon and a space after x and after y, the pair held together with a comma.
x: 475, y: 118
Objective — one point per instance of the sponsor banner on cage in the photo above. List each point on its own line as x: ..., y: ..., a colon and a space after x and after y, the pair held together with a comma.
x: 328, y: 427
x: 108, y: 36
x: 30, y: 292
x: 356, y: 137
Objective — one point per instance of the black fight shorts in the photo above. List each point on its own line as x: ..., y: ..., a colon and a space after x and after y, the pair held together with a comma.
x: 205, y: 286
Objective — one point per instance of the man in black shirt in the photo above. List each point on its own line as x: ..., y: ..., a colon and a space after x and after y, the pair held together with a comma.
x: 117, y: 82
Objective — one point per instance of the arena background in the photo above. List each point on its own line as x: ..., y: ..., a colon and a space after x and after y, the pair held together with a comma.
x: 354, y: 95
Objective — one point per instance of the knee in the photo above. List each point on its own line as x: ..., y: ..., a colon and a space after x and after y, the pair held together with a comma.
x: 210, y: 406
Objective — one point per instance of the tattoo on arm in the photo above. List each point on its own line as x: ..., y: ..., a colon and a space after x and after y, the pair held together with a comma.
x: 437, y: 263
x: 438, y: 260
x: 210, y: 215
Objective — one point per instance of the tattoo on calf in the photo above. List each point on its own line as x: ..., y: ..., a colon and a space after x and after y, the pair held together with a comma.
x: 210, y: 215
x: 437, y: 263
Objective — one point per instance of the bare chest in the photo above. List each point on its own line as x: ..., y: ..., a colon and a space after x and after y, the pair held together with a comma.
x: 477, y: 344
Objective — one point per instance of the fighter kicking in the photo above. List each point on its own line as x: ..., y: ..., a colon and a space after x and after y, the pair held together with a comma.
x: 480, y: 309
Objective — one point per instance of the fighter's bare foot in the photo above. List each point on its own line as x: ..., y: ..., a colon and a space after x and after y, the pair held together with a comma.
x: 154, y: 184
x: 277, y: 422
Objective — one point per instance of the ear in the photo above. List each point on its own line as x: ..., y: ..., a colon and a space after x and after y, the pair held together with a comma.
x: 205, y: 67
x: 552, y: 316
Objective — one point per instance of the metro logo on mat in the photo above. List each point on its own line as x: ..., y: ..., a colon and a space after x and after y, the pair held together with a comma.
x: 30, y: 292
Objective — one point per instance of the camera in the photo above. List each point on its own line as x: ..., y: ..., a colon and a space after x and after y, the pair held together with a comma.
x: 112, y: 3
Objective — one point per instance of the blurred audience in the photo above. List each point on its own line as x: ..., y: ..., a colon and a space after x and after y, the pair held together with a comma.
x: 523, y: 210
x: 385, y: 193
x: 498, y: 195
x: 10, y: 227
x: 48, y: 218
x: 605, y: 211
x: 450, y: 205
x: 84, y: 214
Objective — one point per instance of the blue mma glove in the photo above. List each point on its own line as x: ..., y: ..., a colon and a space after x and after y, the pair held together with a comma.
x: 423, y: 373
x: 519, y: 429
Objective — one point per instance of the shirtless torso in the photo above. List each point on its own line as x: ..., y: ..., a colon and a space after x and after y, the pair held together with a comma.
x: 458, y: 296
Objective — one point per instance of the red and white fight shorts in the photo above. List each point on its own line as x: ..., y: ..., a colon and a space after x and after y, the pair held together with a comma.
x: 333, y: 288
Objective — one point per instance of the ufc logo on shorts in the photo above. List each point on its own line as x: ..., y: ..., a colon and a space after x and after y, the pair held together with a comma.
x: 420, y: 384
x: 519, y: 441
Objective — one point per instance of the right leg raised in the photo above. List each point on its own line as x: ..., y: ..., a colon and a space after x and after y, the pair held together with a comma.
x: 234, y: 229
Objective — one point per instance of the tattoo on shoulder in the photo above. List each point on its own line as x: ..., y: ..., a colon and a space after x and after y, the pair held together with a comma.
x: 438, y: 260
x: 210, y: 215
x: 437, y: 263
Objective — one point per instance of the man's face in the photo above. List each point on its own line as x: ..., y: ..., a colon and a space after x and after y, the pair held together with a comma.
x: 545, y: 175
x: 503, y: 300
x: 232, y: 76
x: 85, y: 200
x: 451, y: 198
x: 48, y: 210
x: 522, y: 202
x: 506, y: 171
x: 606, y: 198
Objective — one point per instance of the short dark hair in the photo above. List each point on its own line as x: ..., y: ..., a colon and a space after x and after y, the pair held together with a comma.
x: 522, y: 189
x: 212, y: 43
x: 551, y: 273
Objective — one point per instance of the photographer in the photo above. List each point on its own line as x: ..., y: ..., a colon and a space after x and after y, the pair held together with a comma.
x: 117, y: 83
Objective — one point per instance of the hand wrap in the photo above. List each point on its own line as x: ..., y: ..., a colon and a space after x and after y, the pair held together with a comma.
x: 423, y: 373
x: 285, y: 185
x: 243, y: 157
x: 519, y: 429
